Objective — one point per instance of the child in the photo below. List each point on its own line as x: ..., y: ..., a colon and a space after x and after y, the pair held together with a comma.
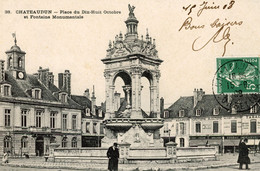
x: 5, y: 157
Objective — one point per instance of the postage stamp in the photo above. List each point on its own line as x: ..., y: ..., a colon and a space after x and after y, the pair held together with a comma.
x: 237, y: 75
x: 237, y: 79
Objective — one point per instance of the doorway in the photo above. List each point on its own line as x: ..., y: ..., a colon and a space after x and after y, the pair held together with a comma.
x: 39, y: 146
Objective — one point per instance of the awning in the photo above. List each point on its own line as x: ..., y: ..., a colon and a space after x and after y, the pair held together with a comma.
x: 231, y: 142
x: 253, y: 142
x: 214, y: 142
x: 210, y: 142
x: 194, y: 143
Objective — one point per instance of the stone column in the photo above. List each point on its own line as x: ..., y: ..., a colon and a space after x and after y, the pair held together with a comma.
x: 171, y: 151
x: 156, y: 95
x: 152, y: 100
x: 109, y: 96
x: 136, y: 93
x: 127, y: 89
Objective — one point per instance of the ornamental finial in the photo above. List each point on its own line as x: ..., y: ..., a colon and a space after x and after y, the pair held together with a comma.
x: 14, y: 36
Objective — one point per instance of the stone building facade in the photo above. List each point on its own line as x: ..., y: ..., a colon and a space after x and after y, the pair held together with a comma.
x: 199, y: 120
x: 35, y: 112
x: 92, y: 119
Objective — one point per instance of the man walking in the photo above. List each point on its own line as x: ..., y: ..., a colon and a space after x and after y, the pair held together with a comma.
x: 113, y: 155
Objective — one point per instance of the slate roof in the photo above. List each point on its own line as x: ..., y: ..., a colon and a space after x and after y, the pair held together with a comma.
x: 209, y: 102
x: 82, y: 100
x: 23, y: 89
x: 86, y: 103
x: 183, y: 103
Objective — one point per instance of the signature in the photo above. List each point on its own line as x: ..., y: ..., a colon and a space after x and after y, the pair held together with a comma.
x: 216, y: 38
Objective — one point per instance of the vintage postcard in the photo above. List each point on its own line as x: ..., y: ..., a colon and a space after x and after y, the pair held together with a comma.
x: 146, y: 69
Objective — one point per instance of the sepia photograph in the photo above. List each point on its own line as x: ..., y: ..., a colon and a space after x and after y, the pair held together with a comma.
x: 129, y: 85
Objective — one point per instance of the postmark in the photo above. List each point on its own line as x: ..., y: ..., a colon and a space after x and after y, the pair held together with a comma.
x: 236, y: 83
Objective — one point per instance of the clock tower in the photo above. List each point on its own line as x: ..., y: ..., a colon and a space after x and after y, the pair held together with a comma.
x: 16, y: 61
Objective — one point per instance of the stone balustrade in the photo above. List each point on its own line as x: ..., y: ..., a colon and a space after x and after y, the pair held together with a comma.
x: 168, y: 154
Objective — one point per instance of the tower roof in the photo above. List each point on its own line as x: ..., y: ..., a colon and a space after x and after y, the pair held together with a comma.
x: 15, y: 48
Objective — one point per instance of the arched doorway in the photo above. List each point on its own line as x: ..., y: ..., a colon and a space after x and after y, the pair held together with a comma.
x: 8, y: 144
x: 39, y: 146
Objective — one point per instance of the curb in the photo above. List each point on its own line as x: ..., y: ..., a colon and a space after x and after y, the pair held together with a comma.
x: 123, y: 169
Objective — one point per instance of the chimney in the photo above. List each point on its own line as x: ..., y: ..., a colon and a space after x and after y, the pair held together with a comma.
x: 229, y: 98
x: 198, y: 94
x: 86, y: 93
x: 93, y: 102
x: 43, y: 76
x: 116, y: 101
x: 2, y: 70
x: 162, y: 106
x: 51, y: 77
x: 64, y: 81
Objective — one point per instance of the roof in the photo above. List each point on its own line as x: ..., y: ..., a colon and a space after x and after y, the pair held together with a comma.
x: 86, y: 103
x: 23, y: 89
x: 208, y: 103
x: 183, y: 103
x: 82, y: 100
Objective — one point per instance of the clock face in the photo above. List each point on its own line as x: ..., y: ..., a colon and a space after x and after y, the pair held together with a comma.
x: 20, y: 75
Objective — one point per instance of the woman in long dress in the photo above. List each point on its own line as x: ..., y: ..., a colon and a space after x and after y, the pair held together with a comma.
x: 243, y: 154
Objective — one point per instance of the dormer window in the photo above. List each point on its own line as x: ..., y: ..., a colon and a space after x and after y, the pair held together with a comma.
x: 6, y: 90
x: 87, y: 112
x: 181, y: 113
x: 99, y: 113
x: 166, y: 114
x: 63, y: 97
x: 233, y: 110
x: 198, y: 112
x: 216, y: 111
x: 253, y: 109
x: 36, y: 93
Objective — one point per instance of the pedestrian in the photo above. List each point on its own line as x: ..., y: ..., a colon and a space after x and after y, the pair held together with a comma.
x: 243, y: 154
x: 5, y: 157
x: 113, y: 155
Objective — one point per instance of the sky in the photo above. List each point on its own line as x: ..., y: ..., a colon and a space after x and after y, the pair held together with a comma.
x: 79, y: 44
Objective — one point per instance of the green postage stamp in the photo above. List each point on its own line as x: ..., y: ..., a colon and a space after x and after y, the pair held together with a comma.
x: 237, y: 75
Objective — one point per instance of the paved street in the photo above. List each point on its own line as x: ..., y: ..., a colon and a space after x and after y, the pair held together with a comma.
x: 226, y: 162
x: 9, y: 168
x: 254, y: 166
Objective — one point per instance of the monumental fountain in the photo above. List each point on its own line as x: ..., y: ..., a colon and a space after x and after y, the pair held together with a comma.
x: 132, y: 57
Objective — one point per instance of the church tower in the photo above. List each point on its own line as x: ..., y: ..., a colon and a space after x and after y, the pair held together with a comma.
x: 16, y: 61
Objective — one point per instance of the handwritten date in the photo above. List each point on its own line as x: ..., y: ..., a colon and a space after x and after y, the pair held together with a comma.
x: 206, y: 6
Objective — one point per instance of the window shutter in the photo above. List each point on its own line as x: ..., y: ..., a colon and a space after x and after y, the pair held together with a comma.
x: 184, y: 128
x: 177, y: 128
